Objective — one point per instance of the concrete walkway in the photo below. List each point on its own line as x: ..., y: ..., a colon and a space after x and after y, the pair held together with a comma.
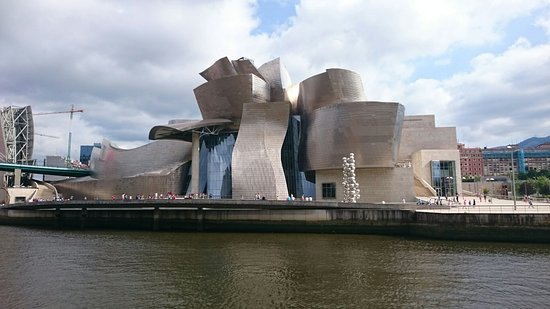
x: 492, y: 205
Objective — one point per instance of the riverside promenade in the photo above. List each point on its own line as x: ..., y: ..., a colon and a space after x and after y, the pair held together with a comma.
x: 492, y: 205
x: 496, y: 221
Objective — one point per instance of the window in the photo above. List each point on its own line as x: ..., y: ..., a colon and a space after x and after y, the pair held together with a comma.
x: 329, y: 190
x: 444, y: 177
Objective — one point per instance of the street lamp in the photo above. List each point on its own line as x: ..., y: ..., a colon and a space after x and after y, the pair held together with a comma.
x: 513, y: 177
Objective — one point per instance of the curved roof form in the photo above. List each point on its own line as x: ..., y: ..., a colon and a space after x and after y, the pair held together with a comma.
x: 246, y: 66
x: 221, y: 68
x: 331, y: 87
x: 225, y: 68
x: 184, y: 130
x: 224, y: 97
x: 278, y: 78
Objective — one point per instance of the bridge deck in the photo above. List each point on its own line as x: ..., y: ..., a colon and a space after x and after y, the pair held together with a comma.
x: 44, y: 170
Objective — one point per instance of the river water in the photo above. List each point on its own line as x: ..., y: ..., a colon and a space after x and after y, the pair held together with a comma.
x: 131, y: 269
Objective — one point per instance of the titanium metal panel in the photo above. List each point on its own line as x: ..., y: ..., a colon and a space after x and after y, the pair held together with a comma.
x: 184, y: 130
x: 246, y: 66
x: 330, y: 87
x: 371, y: 130
x: 224, y: 98
x: 292, y: 94
x: 256, y: 162
x: 278, y: 78
x: 157, y: 158
x: 221, y: 68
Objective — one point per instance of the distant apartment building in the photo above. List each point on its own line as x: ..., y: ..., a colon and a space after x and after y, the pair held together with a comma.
x: 498, y: 161
x: 538, y: 158
x: 471, y: 161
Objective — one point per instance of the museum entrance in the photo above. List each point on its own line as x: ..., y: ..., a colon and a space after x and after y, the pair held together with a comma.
x: 444, y: 177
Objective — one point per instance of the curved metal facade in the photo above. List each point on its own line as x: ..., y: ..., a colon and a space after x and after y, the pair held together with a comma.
x: 224, y: 97
x: 278, y: 78
x: 371, y: 130
x: 256, y: 163
x: 159, y: 157
x: 221, y: 68
x: 246, y: 66
x: 330, y: 87
x: 245, y: 144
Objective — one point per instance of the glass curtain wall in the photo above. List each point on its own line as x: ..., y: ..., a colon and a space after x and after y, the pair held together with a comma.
x: 296, y: 181
x: 215, y: 164
x: 444, y: 178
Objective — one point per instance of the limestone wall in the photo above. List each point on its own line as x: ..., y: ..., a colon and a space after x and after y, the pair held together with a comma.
x: 376, y: 184
x: 419, y: 132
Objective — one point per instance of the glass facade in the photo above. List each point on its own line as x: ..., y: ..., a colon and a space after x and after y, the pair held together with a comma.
x: 186, y: 178
x: 215, y: 164
x: 444, y: 177
x: 296, y: 181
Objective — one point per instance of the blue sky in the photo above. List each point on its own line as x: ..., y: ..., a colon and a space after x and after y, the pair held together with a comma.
x: 273, y: 14
x: 482, y: 67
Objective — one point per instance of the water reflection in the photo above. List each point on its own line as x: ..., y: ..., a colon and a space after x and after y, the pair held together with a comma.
x: 98, y: 269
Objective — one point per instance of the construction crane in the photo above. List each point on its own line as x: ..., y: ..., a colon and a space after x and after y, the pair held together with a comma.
x: 71, y: 111
x: 45, y: 135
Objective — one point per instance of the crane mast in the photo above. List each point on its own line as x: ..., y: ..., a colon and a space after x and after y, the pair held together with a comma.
x: 71, y: 112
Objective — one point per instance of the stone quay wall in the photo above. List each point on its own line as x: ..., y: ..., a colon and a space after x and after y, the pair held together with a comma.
x: 279, y: 216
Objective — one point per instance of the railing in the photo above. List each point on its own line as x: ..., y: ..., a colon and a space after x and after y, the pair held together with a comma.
x: 523, y: 208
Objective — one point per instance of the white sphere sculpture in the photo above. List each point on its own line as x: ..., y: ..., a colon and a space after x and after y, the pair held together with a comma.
x: 351, y: 187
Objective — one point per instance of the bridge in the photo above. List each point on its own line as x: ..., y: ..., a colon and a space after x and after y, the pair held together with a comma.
x: 44, y: 170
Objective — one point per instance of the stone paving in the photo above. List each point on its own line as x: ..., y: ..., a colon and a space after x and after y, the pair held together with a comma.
x: 492, y: 205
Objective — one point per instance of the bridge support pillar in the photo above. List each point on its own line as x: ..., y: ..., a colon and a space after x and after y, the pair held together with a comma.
x: 195, y: 163
x: 17, y: 178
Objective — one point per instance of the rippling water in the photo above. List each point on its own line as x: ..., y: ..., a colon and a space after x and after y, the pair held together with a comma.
x: 123, y: 269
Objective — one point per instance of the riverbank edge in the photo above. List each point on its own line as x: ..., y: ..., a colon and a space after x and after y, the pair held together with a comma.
x: 280, y: 217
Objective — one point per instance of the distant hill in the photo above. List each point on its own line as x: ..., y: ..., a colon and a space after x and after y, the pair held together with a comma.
x: 534, y: 142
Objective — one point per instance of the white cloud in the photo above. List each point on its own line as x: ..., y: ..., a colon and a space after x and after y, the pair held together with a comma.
x: 359, y: 33
x: 129, y: 64
x: 512, y: 86
x: 133, y: 64
x: 544, y: 22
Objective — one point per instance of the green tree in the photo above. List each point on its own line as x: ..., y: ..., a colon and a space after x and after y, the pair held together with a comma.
x: 527, y: 187
x: 543, y: 185
x: 534, y: 174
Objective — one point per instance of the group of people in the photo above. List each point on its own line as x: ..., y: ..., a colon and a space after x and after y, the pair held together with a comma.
x: 290, y: 197
x: 303, y: 198
x: 155, y: 196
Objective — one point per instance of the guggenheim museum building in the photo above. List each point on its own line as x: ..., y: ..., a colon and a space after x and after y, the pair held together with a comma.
x: 261, y: 134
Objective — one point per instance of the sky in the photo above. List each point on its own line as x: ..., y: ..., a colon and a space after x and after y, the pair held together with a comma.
x: 480, y: 66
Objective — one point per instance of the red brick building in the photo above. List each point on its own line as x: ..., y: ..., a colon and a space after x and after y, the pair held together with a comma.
x: 471, y: 161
